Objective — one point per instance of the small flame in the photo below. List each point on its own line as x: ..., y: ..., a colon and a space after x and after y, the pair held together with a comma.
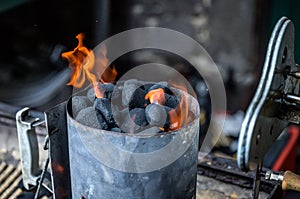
x: 174, y: 120
x: 84, y: 66
x: 109, y: 75
x: 156, y: 96
x: 179, y: 115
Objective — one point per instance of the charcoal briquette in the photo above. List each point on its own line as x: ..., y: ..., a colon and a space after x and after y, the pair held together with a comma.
x: 79, y: 103
x: 89, y: 118
x: 156, y: 114
x: 128, y: 89
x: 138, y: 116
x: 137, y: 99
x: 103, y: 107
x: 127, y: 125
x: 91, y: 95
x: 172, y: 101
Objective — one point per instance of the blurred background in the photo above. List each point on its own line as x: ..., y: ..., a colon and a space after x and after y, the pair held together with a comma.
x: 35, y: 33
x: 235, y: 33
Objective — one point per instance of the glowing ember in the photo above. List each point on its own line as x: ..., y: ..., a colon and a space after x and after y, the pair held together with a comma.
x: 84, y: 66
x: 174, y: 120
x: 156, y: 96
x: 179, y: 116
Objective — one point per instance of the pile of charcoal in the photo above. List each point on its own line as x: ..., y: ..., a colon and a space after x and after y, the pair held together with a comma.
x: 130, y: 106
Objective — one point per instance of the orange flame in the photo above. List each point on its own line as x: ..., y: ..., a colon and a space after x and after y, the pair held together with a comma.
x: 156, y: 96
x: 83, y: 64
x: 174, y: 120
x: 179, y: 115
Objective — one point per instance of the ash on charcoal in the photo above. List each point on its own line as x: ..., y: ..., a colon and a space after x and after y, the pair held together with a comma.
x: 103, y: 107
x: 137, y: 99
x: 156, y: 114
x: 88, y: 117
x: 128, y: 89
x: 79, y: 103
x: 138, y: 116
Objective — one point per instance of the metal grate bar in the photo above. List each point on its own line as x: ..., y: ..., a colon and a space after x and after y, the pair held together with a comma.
x: 9, y: 181
x: 2, y: 166
x: 12, y: 190
x: 7, y: 171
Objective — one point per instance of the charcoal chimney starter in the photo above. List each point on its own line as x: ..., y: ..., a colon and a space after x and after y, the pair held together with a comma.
x: 108, y: 164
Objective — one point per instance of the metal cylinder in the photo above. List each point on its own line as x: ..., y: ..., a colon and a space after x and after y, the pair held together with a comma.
x: 110, y: 165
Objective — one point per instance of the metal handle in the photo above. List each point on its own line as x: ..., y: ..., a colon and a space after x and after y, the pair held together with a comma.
x: 28, y: 145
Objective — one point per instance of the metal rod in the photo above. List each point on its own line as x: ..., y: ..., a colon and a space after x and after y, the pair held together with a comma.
x: 41, y: 179
x: 256, y: 184
x: 292, y: 98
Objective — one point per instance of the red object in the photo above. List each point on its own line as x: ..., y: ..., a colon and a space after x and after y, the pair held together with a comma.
x: 288, y: 156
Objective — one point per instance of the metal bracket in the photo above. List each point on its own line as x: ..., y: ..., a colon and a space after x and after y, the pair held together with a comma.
x: 28, y: 145
x: 274, y: 104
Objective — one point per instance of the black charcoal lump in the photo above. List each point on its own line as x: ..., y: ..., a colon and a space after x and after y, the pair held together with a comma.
x: 103, y: 108
x: 137, y: 99
x: 138, y: 116
x: 106, y: 89
x: 172, y: 101
x: 123, y: 107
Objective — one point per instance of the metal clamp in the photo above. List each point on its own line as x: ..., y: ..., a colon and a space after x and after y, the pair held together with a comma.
x: 28, y: 145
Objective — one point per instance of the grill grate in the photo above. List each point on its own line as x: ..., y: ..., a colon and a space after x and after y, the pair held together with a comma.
x: 10, y: 177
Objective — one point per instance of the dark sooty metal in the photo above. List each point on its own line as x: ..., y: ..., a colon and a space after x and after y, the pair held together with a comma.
x: 110, y: 165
